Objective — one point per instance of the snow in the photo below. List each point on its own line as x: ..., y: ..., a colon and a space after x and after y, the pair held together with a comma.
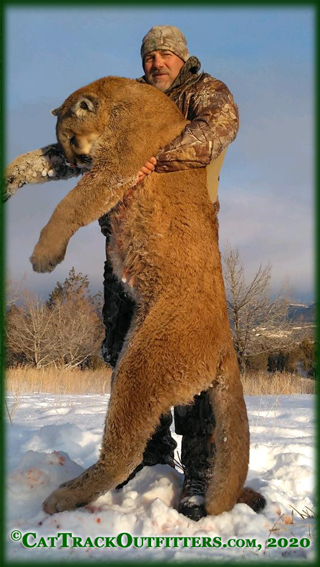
x: 52, y: 438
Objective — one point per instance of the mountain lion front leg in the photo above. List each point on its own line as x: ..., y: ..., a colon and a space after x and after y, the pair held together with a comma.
x: 95, y: 195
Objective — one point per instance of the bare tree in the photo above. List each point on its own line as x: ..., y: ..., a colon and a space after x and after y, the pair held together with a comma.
x: 65, y: 331
x: 78, y: 323
x: 29, y: 331
x: 78, y: 331
x: 259, y: 324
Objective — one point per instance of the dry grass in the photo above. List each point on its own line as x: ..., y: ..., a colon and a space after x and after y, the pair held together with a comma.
x: 306, y: 513
x: 260, y: 383
x: 27, y: 380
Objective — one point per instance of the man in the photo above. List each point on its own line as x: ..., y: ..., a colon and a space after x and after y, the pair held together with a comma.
x: 214, y: 122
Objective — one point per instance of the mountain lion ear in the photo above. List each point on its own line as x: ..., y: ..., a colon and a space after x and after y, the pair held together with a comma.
x: 55, y: 111
x: 84, y: 105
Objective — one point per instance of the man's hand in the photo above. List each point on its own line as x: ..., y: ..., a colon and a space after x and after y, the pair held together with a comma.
x: 147, y: 169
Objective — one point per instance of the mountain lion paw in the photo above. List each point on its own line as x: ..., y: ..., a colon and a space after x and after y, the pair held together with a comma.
x: 44, y: 259
x: 62, y: 499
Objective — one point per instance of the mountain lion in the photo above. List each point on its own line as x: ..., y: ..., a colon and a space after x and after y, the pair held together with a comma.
x: 165, y: 239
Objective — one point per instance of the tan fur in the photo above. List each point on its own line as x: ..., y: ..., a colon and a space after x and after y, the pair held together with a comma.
x: 165, y: 236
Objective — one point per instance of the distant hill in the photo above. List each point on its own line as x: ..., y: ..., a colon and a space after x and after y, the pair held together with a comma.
x: 302, y: 313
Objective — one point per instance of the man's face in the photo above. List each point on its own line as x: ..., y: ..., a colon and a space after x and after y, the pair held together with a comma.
x: 162, y: 68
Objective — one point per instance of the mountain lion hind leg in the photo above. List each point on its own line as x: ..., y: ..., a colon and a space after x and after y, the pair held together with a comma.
x: 157, y: 370
x: 231, y: 437
x: 151, y: 375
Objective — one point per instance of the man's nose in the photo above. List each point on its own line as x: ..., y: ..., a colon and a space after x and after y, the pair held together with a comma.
x: 158, y: 62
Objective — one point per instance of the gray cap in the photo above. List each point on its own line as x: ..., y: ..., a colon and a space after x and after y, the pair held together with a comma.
x: 165, y: 38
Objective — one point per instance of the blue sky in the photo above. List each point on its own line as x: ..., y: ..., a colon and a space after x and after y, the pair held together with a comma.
x: 266, y: 57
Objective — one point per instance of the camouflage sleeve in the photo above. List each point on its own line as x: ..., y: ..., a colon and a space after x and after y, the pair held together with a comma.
x: 45, y: 164
x: 214, y: 125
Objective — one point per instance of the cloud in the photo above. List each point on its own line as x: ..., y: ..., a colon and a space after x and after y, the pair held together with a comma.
x: 269, y: 227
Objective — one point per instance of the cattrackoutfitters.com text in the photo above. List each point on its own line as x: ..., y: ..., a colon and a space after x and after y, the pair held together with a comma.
x: 124, y: 540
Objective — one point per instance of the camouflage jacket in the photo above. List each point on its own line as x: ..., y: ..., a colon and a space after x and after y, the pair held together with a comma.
x: 214, y: 116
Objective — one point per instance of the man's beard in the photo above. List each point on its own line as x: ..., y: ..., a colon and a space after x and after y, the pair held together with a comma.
x: 161, y: 86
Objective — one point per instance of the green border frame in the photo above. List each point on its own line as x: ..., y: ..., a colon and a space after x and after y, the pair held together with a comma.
x: 118, y: 4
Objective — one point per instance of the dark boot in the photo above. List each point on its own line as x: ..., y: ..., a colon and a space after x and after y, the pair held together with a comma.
x: 118, y: 311
x: 196, y: 424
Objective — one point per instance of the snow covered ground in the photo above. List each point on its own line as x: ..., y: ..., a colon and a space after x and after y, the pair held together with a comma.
x: 53, y: 438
